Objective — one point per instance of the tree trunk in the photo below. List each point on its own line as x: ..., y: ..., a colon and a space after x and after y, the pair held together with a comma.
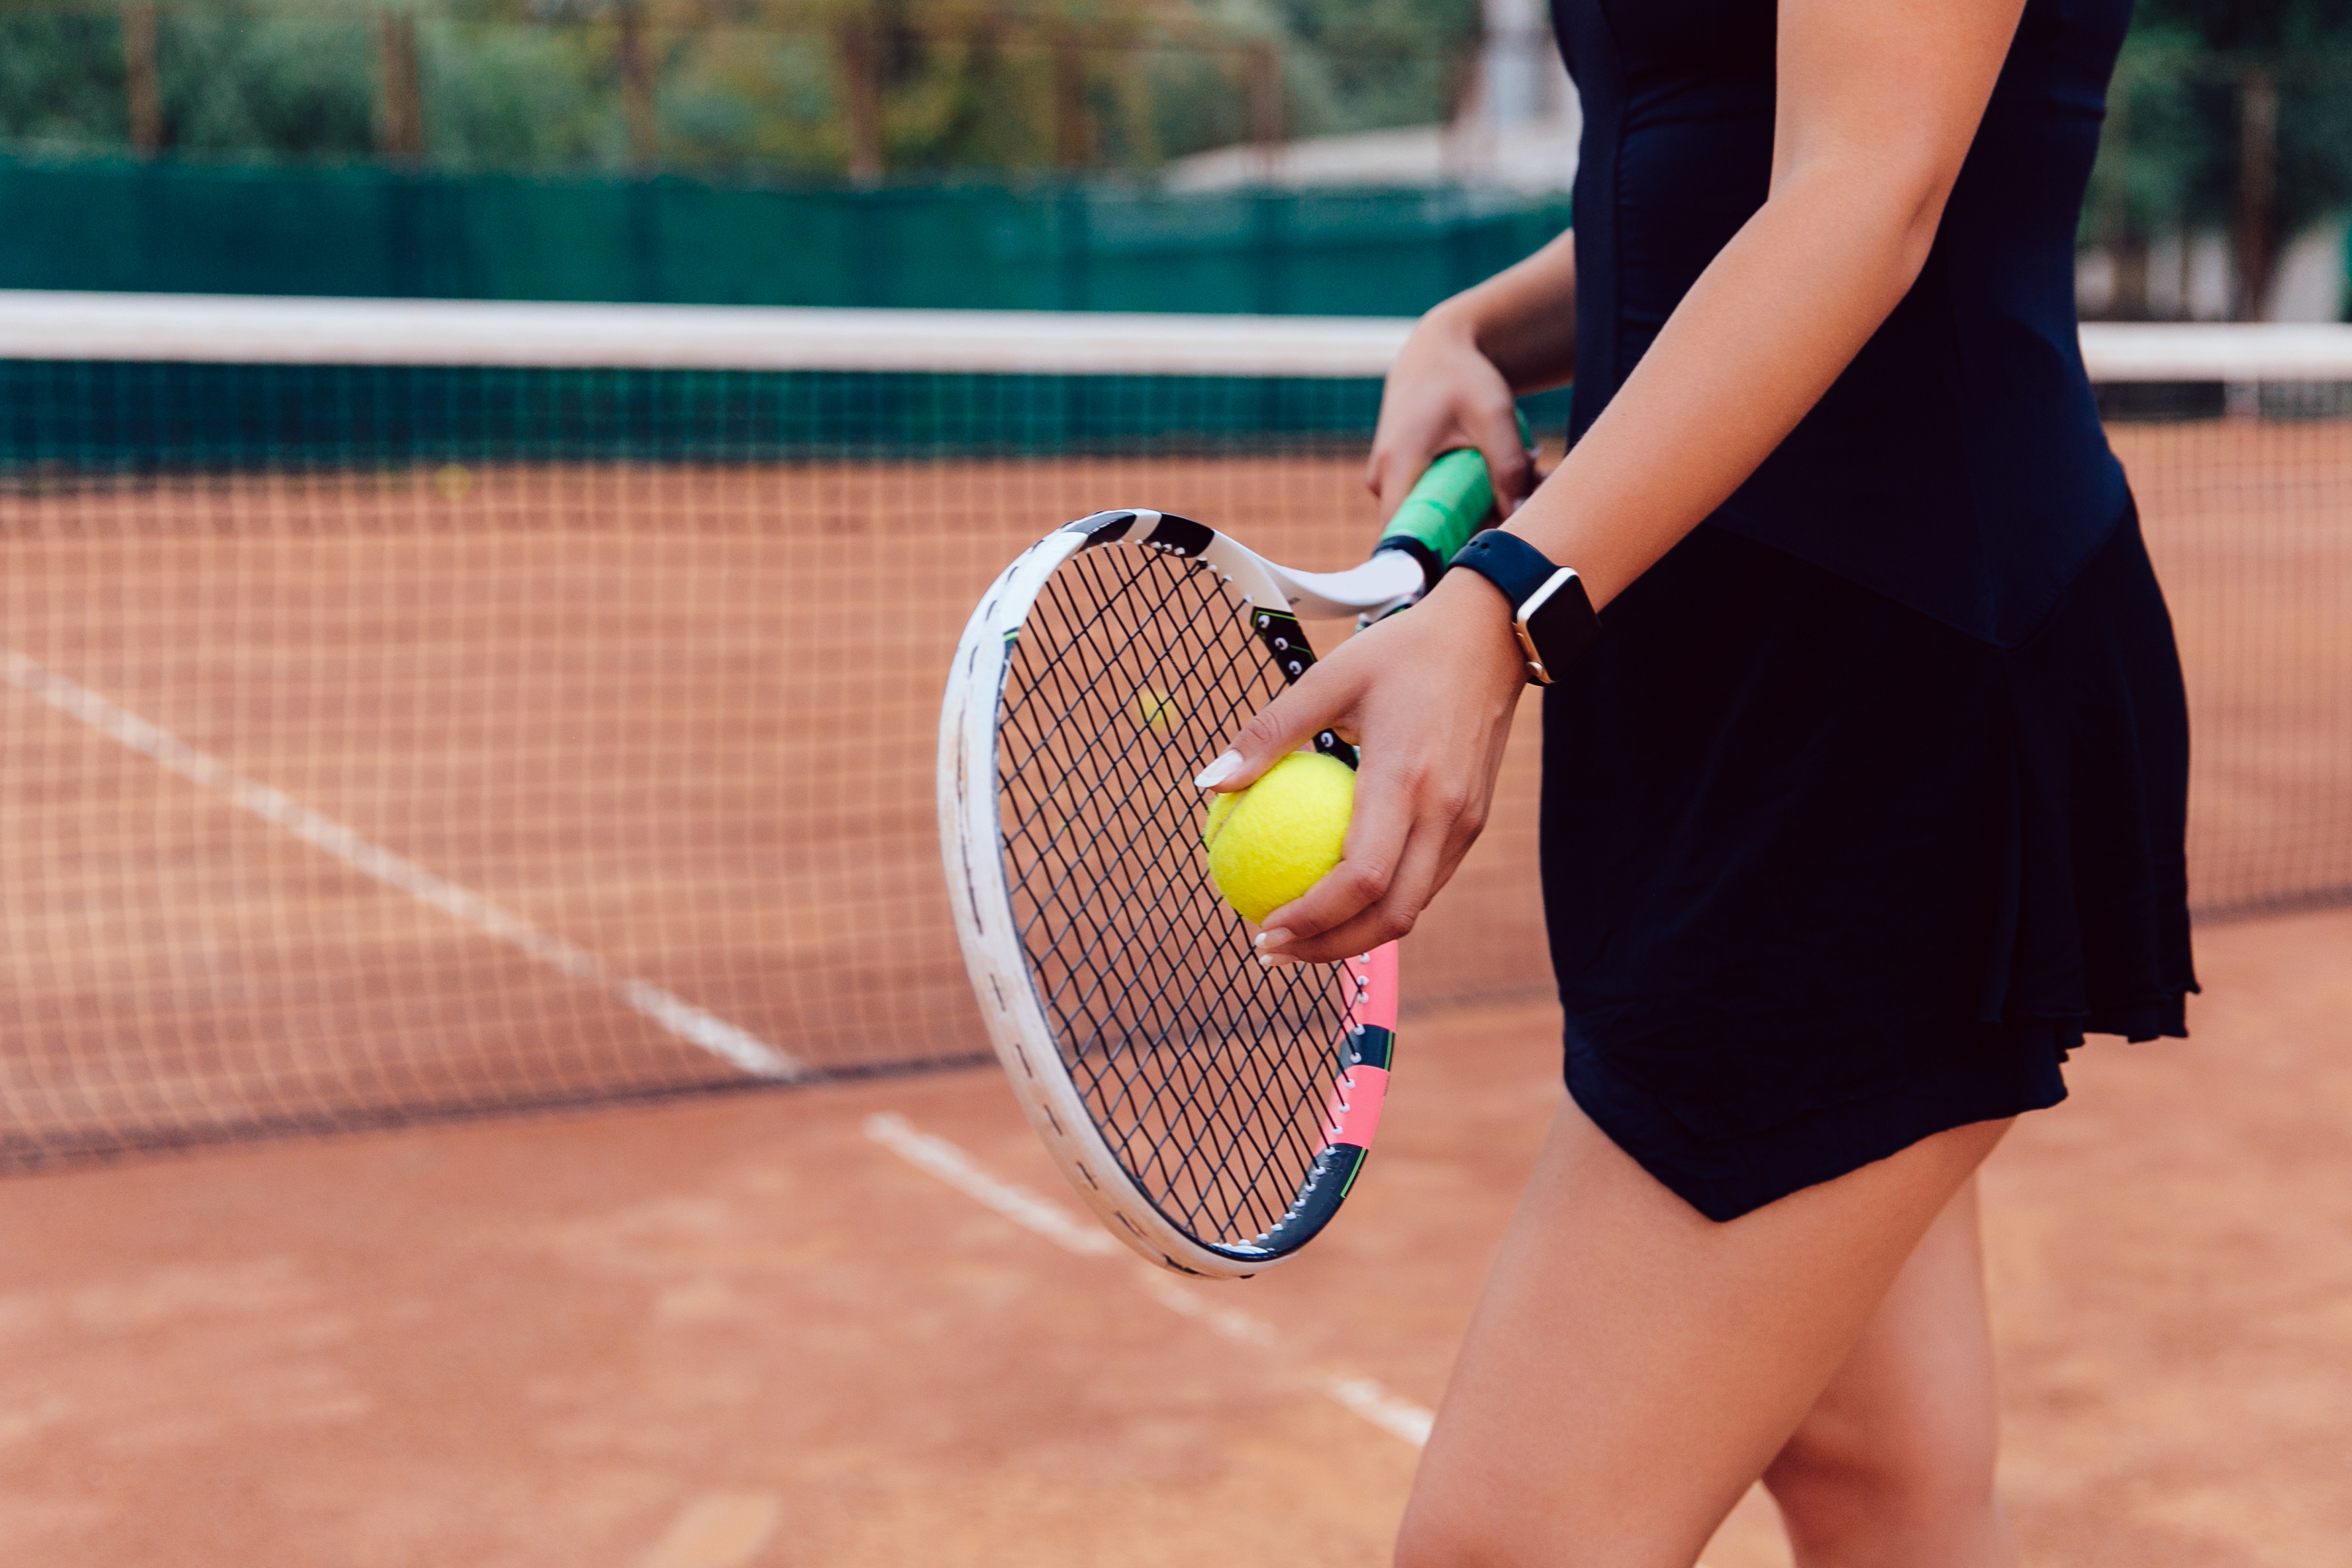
x: 1268, y: 128
x: 142, y: 90
x: 637, y: 88
x: 2258, y: 237
x: 2120, y: 236
x: 857, y: 74
x: 399, y: 111
x: 1074, y: 133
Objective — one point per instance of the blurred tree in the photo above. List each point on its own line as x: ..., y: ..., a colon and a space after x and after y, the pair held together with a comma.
x: 804, y: 87
x: 2225, y: 114
x: 62, y: 80
x: 236, y: 83
x: 1367, y: 64
x: 1344, y: 65
x: 499, y: 95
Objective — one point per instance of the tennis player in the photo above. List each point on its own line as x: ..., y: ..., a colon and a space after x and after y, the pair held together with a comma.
x: 1862, y: 807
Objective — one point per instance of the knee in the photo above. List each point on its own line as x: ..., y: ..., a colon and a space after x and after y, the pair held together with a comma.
x: 1830, y: 1485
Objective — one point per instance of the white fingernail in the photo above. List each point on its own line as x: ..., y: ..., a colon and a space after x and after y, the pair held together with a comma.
x: 1218, y: 772
x: 1274, y: 960
x: 1275, y: 938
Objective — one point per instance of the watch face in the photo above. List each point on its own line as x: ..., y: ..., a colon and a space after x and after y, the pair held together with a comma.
x: 1561, y: 625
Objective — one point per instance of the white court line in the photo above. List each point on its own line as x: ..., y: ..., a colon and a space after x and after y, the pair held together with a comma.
x: 725, y: 1530
x: 167, y: 750
x: 1383, y: 1409
x: 1392, y: 1414
x: 959, y: 1170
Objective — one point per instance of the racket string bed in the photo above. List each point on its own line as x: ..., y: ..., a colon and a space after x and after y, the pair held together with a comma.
x: 1083, y: 703
x: 1073, y: 864
x: 1068, y: 704
x: 1070, y: 710
x: 1208, y: 1076
x: 1213, y: 1120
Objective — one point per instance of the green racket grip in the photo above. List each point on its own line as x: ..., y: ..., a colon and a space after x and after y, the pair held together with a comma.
x: 1450, y: 501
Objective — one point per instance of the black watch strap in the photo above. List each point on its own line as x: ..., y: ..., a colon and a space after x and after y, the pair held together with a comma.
x: 1550, y: 613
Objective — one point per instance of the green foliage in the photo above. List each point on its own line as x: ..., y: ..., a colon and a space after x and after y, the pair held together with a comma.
x: 232, y: 84
x: 966, y: 91
x: 2186, y: 122
x: 2173, y: 149
x: 2263, y: 27
x: 977, y: 85
x: 499, y: 96
x: 229, y: 82
x: 1363, y: 64
x: 62, y: 80
x: 756, y: 99
x: 974, y: 85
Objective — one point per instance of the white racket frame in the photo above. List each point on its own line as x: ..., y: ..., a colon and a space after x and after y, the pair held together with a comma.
x: 970, y: 841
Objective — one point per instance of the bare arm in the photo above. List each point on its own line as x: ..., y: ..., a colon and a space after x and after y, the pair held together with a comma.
x: 1879, y: 101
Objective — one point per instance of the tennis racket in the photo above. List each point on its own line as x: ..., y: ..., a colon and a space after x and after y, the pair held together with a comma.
x: 1212, y: 1112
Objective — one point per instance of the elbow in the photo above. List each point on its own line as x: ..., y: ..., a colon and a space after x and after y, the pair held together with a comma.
x: 1919, y: 209
x: 1889, y: 200
x: 1908, y: 182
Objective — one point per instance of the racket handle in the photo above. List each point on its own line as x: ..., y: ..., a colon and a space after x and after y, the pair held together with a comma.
x: 1450, y: 501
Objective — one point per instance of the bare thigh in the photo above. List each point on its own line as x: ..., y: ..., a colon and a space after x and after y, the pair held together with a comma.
x: 1895, y: 1461
x: 1634, y: 1366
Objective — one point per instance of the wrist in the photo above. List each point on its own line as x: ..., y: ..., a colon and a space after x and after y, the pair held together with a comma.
x: 1454, y: 320
x: 1551, y: 618
x: 1480, y: 319
x: 1478, y: 620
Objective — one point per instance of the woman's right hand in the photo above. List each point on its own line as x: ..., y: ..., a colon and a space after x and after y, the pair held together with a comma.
x: 1429, y: 695
x: 1441, y: 393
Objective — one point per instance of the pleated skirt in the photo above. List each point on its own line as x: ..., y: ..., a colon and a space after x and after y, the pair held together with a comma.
x: 1823, y: 876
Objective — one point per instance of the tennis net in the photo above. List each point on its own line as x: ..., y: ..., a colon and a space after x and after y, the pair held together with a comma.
x: 415, y: 710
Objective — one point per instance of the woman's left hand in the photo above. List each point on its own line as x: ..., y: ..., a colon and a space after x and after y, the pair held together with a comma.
x: 1428, y: 694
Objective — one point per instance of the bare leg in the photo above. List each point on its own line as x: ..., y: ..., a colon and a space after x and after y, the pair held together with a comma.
x: 1634, y: 1366
x: 1892, y: 1468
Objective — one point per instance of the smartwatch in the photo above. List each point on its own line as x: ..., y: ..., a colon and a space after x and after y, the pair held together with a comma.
x: 1550, y: 613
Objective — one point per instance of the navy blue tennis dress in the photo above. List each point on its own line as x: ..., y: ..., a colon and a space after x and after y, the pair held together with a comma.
x: 1868, y: 804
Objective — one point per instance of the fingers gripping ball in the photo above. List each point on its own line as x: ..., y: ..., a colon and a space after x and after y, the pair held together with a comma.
x: 1271, y: 842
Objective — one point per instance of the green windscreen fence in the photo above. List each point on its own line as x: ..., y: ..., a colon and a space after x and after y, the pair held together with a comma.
x: 362, y: 231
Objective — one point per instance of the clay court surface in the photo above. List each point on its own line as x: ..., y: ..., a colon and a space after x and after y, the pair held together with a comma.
x: 336, y: 800
x: 743, y: 1331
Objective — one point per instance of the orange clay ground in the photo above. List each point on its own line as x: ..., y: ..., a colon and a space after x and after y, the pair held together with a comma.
x: 744, y: 1331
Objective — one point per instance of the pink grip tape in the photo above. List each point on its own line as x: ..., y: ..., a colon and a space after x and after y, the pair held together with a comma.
x: 1355, y: 1112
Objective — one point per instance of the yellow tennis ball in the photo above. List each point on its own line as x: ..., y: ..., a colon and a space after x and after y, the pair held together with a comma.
x: 1269, y: 843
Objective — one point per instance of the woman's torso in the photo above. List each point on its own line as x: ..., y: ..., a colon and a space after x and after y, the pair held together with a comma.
x: 1958, y: 465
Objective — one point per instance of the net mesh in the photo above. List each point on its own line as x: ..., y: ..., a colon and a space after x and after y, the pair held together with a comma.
x: 2248, y: 519
x: 383, y: 742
